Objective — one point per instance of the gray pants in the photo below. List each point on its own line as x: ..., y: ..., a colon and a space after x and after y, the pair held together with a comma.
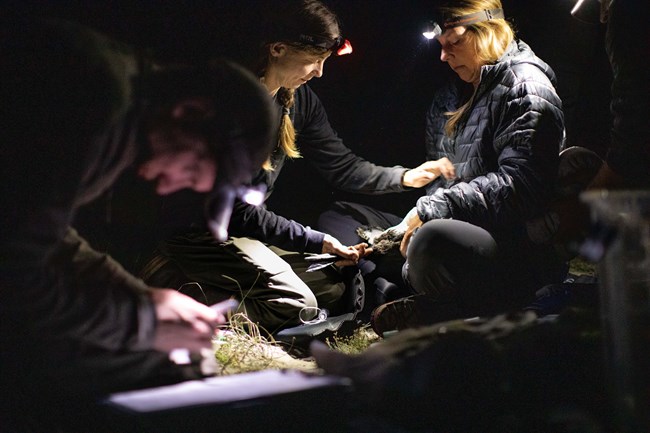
x: 272, y: 284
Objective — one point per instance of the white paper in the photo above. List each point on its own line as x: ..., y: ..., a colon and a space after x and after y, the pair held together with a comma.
x: 223, y: 389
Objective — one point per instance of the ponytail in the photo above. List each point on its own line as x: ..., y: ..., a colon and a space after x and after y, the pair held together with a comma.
x: 287, y: 133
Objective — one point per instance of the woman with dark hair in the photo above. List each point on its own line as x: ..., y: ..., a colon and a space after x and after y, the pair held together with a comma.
x: 298, y: 38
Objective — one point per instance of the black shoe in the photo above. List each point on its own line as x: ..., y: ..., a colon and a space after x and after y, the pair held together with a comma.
x: 387, y: 291
x: 411, y: 312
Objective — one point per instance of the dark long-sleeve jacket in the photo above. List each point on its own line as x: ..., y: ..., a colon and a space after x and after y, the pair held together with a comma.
x: 505, y: 149
x: 320, y: 147
x: 68, y: 132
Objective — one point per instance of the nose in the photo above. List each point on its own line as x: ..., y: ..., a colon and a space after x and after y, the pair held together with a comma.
x: 318, y: 69
x: 444, y: 55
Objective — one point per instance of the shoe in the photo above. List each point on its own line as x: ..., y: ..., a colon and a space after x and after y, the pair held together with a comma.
x: 387, y: 291
x: 411, y: 312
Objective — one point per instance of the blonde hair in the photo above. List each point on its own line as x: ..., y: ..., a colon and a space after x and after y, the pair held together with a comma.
x: 490, y: 39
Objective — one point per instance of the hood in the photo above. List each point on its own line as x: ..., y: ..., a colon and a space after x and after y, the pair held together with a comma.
x: 518, y: 53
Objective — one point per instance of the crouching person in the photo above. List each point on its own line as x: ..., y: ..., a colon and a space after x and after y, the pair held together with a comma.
x: 80, y: 108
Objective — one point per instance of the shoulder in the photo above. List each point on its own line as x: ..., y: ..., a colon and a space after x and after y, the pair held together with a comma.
x: 306, y: 96
x: 307, y: 105
x: 521, y: 65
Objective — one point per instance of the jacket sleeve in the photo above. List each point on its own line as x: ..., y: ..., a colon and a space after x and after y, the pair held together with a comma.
x: 118, y: 311
x: 322, y: 147
x: 526, y: 136
x: 437, y: 143
x: 262, y: 224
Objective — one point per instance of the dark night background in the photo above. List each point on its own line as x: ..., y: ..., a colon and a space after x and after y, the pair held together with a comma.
x: 376, y: 98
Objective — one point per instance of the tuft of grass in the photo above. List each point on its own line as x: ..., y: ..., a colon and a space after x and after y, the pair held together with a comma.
x: 580, y: 266
x: 241, y: 348
x: 356, y: 343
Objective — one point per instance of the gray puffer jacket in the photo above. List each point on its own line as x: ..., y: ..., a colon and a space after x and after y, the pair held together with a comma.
x: 505, y: 149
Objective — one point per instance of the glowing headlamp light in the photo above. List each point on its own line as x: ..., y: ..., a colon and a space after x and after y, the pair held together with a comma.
x: 220, y: 203
x: 434, y: 30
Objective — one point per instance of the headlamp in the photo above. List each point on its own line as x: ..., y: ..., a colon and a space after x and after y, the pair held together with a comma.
x: 220, y: 203
x: 434, y: 30
x: 588, y: 11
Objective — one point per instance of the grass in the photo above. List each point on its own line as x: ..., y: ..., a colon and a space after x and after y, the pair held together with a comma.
x: 356, y: 343
x: 241, y: 348
x: 579, y: 266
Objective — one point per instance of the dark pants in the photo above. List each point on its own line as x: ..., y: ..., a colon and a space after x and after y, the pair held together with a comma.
x: 453, y: 261
x: 272, y: 284
x: 456, y: 261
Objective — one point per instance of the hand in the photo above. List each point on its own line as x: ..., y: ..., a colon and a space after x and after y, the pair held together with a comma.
x: 413, y: 223
x: 427, y: 172
x: 351, y: 255
x: 183, y: 322
x: 397, y: 231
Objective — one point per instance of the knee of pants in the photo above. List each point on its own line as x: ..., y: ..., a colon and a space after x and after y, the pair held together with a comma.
x: 429, y: 246
x: 290, y: 290
x: 441, y: 252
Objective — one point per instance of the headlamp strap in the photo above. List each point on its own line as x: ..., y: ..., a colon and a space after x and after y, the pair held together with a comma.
x: 319, y: 41
x: 477, y: 17
x: 339, y: 46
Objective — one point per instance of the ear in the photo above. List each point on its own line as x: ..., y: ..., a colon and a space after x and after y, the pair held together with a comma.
x: 277, y: 49
x: 192, y: 108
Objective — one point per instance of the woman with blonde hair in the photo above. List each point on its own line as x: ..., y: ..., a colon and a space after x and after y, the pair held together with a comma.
x: 501, y: 124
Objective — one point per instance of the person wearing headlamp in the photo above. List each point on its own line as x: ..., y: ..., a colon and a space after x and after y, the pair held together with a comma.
x: 81, y: 108
x: 297, y: 39
x: 502, y: 126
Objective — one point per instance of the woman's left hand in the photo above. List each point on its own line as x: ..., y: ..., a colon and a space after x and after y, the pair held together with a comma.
x: 413, y: 223
x: 350, y: 255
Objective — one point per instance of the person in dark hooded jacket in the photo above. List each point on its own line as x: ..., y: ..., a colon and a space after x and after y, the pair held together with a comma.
x: 79, y: 109
x: 502, y: 127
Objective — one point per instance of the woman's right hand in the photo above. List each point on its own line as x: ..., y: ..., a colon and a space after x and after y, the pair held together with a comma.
x: 350, y: 255
x: 182, y: 322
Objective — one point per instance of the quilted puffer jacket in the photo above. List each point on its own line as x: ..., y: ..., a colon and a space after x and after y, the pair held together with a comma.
x: 505, y: 149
